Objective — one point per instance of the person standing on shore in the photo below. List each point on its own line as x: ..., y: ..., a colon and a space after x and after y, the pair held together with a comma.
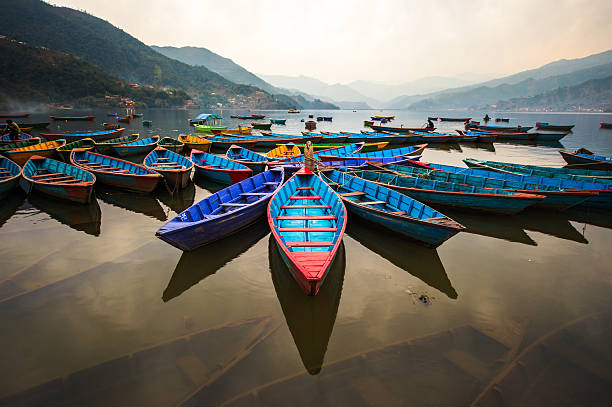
x: 12, y: 129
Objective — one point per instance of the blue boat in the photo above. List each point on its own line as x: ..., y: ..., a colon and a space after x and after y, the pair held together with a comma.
x: 587, y: 161
x: 603, y: 200
x: 116, y: 172
x: 219, y: 169
x: 9, y: 176
x: 556, y: 198
x: 278, y: 121
x: 307, y: 220
x: 327, y: 137
x: 336, y: 151
x: 22, y: 136
x: 57, y: 179
x: 362, y: 163
x: 334, y: 155
x: 175, y: 168
x: 222, y: 213
x: 503, y: 136
x: 391, y: 210
x: 375, y: 137
x: 256, y: 162
x: 452, y: 194
x: 539, y: 136
x: 571, y: 174
x: 258, y: 141
x: 142, y: 146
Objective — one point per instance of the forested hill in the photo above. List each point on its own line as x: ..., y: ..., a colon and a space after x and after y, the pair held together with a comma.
x: 121, y: 55
x: 33, y: 75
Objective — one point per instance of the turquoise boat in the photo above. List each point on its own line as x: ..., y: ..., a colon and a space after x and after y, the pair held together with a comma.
x: 339, y: 151
x: 452, y: 194
x: 327, y: 137
x: 255, y: 161
x: 278, y: 121
x: 392, y: 210
x: 556, y: 198
x: 9, y: 176
x: 373, y: 155
x: 219, y: 169
x: 571, y: 174
x: 143, y: 146
x: 374, y: 137
x: 175, y: 168
x: 587, y: 161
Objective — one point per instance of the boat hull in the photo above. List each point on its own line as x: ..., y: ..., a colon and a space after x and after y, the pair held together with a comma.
x: 73, y: 193
x: 223, y: 176
x: 585, y: 162
x: 137, y: 184
x: 21, y: 157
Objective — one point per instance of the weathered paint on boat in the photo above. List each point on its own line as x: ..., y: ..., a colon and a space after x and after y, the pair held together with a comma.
x: 142, y: 146
x: 58, y: 179
x: 307, y: 220
x: 95, y: 135
x: 373, y: 155
x: 256, y: 162
x: 171, y: 144
x: 84, y: 144
x: 116, y: 172
x: 10, y: 173
x: 587, y: 161
x: 392, y: 210
x: 548, y: 126
x: 219, y: 169
x: 175, y: 168
x: 18, y: 144
x: 73, y: 118
x: 23, y: 154
x: 195, y: 142
x: 284, y: 151
x: 105, y: 147
x: 222, y: 213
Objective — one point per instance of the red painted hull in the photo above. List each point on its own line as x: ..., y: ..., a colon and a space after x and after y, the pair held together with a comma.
x: 7, y: 116
x: 73, y: 118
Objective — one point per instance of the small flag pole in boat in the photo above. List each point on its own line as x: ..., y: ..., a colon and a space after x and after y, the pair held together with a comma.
x: 309, y: 156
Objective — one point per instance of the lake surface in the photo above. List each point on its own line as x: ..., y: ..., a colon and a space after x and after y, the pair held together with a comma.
x: 97, y: 311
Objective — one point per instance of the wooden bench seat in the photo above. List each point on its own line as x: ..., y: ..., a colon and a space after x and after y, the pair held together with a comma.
x: 309, y: 244
x: 372, y: 203
x: 305, y: 207
x: 356, y: 193
x: 297, y: 217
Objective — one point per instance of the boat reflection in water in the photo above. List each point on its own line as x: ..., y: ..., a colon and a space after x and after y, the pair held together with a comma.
x: 420, y: 261
x: 505, y: 227
x: 10, y: 204
x: 84, y: 218
x: 196, y: 265
x: 164, y: 374
x: 178, y: 201
x: 310, y: 318
x: 551, y: 223
x: 592, y: 216
x: 134, y: 202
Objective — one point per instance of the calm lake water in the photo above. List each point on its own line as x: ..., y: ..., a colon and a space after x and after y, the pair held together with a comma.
x: 97, y: 311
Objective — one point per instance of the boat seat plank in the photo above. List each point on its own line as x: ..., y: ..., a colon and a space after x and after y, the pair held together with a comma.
x: 70, y: 181
x: 270, y: 183
x: 162, y: 158
x: 398, y: 213
x: 54, y: 180
x: 254, y: 193
x: 307, y: 229
x: 372, y: 202
x: 322, y: 217
x: 232, y: 204
x: 309, y: 244
x: 47, y: 175
x: 355, y: 193
x: 304, y: 188
x: 295, y: 198
x: 305, y: 207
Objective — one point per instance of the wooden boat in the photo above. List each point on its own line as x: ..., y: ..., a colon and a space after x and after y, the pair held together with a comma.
x: 572, y: 174
x: 503, y: 135
x: 175, y: 168
x: 116, y: 172
x: 368, y: 123
x: 307, y: 220
x: 245, y: 131
x: 73, y: 118
x: 511, y: 129
x: 219, y: 169
x: 147, y: 123
x: 9, y: 176
x: 569, y: 364
x: 246, y: 117
x: 364, y: 163
x: 57, y: 179
x: 184, y: 366
x: 26, y: 127
x: 142, y: 146
x: 14, y: 115
x: 373, y: 155
x: 221, y: 144
x: 260, y: 141
x: 23, y: 154
x: 605, y: 125
x: 547, y: 126
x: 392, y: 210
x: 208, y: 129
x: 125, y: 119
x: 455, y: 119
x: 293, y: 111
x: 283, y: 151
x: 111, y: 114
x: 587, y: 161
x: 294, y: 138
x: 6, y: 139
x: 453, y: 194
x: 556, y: 198
x: 336, y: 152
x: 367, y: 147
x: 171, y: 144
x: 195, y: 142
x: 261, y: 126
x: 19, y: 144
x: 278, y: 121
x: 327, y: 137
x: 64, y: 151
x: 447, y: 368
x: 324, y: 118
x: 383, y: 118
x: 95, y: 135
x: 502, y: 119
x: 539, y: 136
x: 256, y: 162
x: 105, y: 147
x: 222, y: 213
x: 137, y: 114
x: 110, y: 126
x: 401, y: 130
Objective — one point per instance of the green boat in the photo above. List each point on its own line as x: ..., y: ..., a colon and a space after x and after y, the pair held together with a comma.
x: 208, y: 123
x: 262, y: 126
x: 171, y: 144
x: 106, y: 147
x: 65, y: 150
x: 19, y: 144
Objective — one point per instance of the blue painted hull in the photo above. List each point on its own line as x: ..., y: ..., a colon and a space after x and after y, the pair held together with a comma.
x: 7, y: 187
x: 219, y: 177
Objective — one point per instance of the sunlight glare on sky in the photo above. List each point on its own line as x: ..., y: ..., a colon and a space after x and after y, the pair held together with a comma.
x: 395, y: 40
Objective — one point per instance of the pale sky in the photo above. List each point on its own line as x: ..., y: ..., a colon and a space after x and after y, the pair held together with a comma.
x: 395, y: 40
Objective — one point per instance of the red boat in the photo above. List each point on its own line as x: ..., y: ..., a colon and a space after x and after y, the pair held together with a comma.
x: 73, y: 118
x: 110, y: 126
x: 125, y: 119
x: 8, y: 116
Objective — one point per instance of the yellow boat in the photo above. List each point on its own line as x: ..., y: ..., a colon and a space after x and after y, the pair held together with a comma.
x: 195, y: 142
x: 284, y: 151
x: 293, y: 111
x: 23, y: 154
x: 239, y: 130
